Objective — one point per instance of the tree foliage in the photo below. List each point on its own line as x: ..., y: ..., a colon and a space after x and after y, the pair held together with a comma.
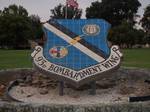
x: 146, y: 19
x: 36, y: 26
x: 59, y: 12
x: 114, y: 11
x: 16, y: 27
x: 126, y: 36
x: 146, y: 23
x: 15, y: 10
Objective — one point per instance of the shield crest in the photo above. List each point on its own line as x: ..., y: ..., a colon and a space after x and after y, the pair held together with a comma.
x: 92, y: 36
x: 76, y: 49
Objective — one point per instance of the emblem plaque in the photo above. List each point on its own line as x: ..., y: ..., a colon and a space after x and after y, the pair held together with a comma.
x: 76, y: 51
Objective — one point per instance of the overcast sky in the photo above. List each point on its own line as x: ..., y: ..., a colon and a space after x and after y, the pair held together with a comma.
x: 42, y: 7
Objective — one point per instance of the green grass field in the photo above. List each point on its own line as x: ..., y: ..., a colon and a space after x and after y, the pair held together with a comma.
x: 21, y: 58
x: 136, y: 58
x: 15, y: 59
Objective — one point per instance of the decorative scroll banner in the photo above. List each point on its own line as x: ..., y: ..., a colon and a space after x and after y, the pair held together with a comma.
x: 76, y: 76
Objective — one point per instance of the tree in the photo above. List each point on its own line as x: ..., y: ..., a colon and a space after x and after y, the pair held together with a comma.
x: 59, y: 12
x: 146, y: 19
x: 16, y: 27
x: 0, y: 12
x: 114, y: 11
x: 126, y: 36
x: 15, y: 10
x: 146, y: 23
x: 36, y: 26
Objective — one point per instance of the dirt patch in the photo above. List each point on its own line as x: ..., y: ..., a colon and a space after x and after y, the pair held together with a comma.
x: 36, y: 87
x: 40, y: 88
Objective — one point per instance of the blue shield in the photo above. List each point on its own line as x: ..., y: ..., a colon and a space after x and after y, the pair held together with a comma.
x: 76, y: 44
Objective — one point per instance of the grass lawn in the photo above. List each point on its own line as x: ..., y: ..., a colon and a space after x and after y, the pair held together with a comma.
x: 15, y: 59
x: 136, y: 58
x: 21, y: 58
